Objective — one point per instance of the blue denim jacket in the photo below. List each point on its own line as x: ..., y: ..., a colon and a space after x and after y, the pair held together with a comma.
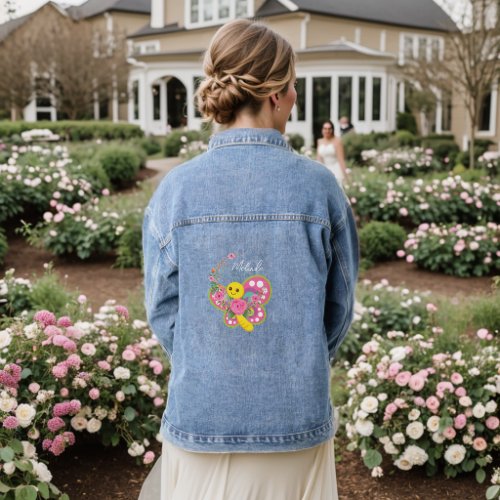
x: 250, y: 261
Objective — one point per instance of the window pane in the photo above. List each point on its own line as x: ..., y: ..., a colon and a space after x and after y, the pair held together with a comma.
x: 301, y: 99
x: 435, y: 49
x: 208, y: 10
x: 322, y: 91
x: 196, y: 83
x: 135, y: 94
x: 345, y: 96
x: 422, y: 48
x: 362, y: 98
x: 195, y: 9
x: 408, y: 47
x: 446, y: 107
x: 241, y: 8
x: 377, y: 99
x: 223, y: 9
x: 156, y: 102
x: 485, y: 113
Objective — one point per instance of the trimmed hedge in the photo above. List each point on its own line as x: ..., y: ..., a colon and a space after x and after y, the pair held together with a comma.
x: 75, y: 130
x: 120, y: 163
x: 406, y: 121
x: 176, y: 139
x: 379, y: 241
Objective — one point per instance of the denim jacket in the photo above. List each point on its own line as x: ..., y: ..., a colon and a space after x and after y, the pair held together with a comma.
x: 250, y: 262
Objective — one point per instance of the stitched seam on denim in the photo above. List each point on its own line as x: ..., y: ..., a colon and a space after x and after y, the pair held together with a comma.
x: 164, y: 249
x: 326, y: 425
x: 278, y: 145
x: 252, y: 218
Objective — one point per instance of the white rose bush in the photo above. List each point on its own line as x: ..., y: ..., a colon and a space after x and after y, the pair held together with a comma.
x: 63, y: 378
x: 420, y: 405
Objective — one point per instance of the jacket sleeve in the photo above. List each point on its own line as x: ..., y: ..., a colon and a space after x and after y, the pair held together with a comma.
x: 161, y: 285
x: 341, y: 282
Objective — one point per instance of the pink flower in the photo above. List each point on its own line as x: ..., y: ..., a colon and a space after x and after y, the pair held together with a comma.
x: 400, y: 253
x: 158, y: 401
x: 59, y: 340
x: 419, y: 401
x: 69, y: 437
x: 456, y: 378
x: 460, y: 421
x: 148, y: 458
x: 52, y: 330
x: 69, y: 346
x: 219, y: 295
x: 88, y: 349
x: 479, y: 444
x: 61, y: 409
x: 94, y: 393
x: 394, y: 369
x: 431, y: 308
x: 391, y: 408
x: 416, y: 383
x: 74, y: 406
x: 73, y: 332
x: 10, y: 422
x: 410, y: 259
x: 64, y: 321
x: 460, y: 392
x: 74, y: 360
x: 156, y: 366
x: 122, y: 311
x: 34, y: 387
x: 432, y: 403
x: 58, y: 445
x: 238, y: 306
x: 128, y: 355
x: 105, y: 192
x: 56, y: 423
x: 444, y: 386
x: 403, y: 211
x: 46, y: 444
x: 44, y: 317
x: 64, y: 392
x: 402, y: 378
x: 104, y: 365
x: 82, y: 299
x: 492, y: 423
x: 59, y: 370
x: 482, y: 333
x: 449, y: 433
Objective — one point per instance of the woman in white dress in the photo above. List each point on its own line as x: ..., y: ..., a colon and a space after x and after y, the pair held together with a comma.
x: 331, y: 152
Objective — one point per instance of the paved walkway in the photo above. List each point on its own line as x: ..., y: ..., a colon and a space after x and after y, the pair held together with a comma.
x: 162, y: 166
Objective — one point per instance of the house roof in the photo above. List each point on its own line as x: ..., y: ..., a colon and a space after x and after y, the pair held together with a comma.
x: 346, y: 46
x: 95, y: 7
x: 424, y: 14
x: 148, y: 30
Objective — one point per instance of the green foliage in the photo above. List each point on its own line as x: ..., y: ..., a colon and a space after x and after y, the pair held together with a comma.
x: 405, y: 138
x: 296, y: 141
x: 176, y: 139
x: 485, y: 312
x: 129, y: 249
x: 74, y: 130
x: 354, y: 144
x: 443, y: 147
x: 406, y: 121
x: 4, y: 246
x: 151, y: 145
x: 121, y: 164
x: 49, y: 293
x: 94, y: 172
x: 379, y: 241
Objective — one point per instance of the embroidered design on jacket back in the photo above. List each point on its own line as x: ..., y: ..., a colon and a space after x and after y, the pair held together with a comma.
x: 242, y: 303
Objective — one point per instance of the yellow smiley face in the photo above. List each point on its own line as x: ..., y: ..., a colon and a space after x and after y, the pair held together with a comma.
x: 235, y: 290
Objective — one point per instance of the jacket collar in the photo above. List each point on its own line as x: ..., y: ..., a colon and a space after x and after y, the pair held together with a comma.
x: 233, y: 136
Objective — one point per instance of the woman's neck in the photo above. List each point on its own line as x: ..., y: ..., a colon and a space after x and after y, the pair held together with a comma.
x: 246, y: 119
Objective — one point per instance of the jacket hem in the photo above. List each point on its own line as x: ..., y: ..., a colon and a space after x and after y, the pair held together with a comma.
x: 247, y: 443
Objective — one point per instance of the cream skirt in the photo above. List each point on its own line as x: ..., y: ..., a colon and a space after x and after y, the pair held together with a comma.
x: 299, y: 475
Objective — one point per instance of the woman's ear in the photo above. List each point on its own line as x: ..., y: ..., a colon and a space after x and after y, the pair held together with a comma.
x: 275, y: 100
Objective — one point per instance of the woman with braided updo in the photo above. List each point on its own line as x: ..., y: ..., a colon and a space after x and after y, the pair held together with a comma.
x: 250, y: 265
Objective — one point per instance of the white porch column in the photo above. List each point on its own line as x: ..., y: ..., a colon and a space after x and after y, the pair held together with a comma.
x: 309, y: 111
x: 439, y: 114
x: 96, y: 105
x: 163, y: 104
x: 401, y: 97
x: 157, y: 13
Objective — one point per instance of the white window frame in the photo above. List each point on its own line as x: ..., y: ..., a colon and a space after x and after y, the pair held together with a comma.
x: 216, y: 19
x: 415, y: 40
x: 493, y: 114
x: 141, y: 48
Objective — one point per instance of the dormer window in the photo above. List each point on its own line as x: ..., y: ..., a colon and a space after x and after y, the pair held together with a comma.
x: 210, y: 12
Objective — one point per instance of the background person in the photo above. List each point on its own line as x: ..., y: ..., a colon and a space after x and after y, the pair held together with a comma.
x: 330, y: 152
x: 250, y: 263
x: 345, y: 126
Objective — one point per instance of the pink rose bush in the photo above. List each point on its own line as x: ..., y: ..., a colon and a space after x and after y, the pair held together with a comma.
x: 424, y: 406
x: 457, y: 249
x: 62, y: 377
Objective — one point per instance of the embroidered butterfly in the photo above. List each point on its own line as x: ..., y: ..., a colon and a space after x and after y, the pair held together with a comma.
x: 242, y: 303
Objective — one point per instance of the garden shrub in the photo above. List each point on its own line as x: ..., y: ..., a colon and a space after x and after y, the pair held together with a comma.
x: 94, y: 172
x: 423, y: 406
x: 405, y: 138
x: 151, y: 145
x: 74, y: 130
x: 176, y: 139
x: 129, y: 246
x: 47, y: 292
x: 458, y: 250
x: 486, y: 312
x: 4, y: 246
x: 379, y: 241
x: 296, y: 141
x: 355, y: 144
x: 15, y: 295
x: 405, y: 161
x: 121, y: 164
x: 406, y: 121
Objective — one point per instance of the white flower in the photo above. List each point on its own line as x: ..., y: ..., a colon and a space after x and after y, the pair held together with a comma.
x: 455, y: 454
x: 369, y: 404
x: 136, y: 449
x: 438, y: 438
x: 9, y: 468
x: 479, y: 410
x: 382, y: 396
x: 384, y: 439
x: 120, y: 396
x: 377, y: 472
x: 490, y: 407
x: 29, y: 450
x: 41, y: 471
x: 397, y: 353
x: 34, y: 433
x: 7, y: 404
x: 415, y: 430
x: 364, y: 427
x: 25, y: 414
x: 79, y: 423
x: 390, y: 449
x: 403, y: 463
x: 5, y: 338
x: 94, y: 425
x: 467, y: 439
x: 433, y: 423
x: 474, y: 372
x: 361, y: 388
x: 414, y: 414
x: 121, y: 372
x: 399, y: 438
x: 465, y: 401
x: 416, y: 455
